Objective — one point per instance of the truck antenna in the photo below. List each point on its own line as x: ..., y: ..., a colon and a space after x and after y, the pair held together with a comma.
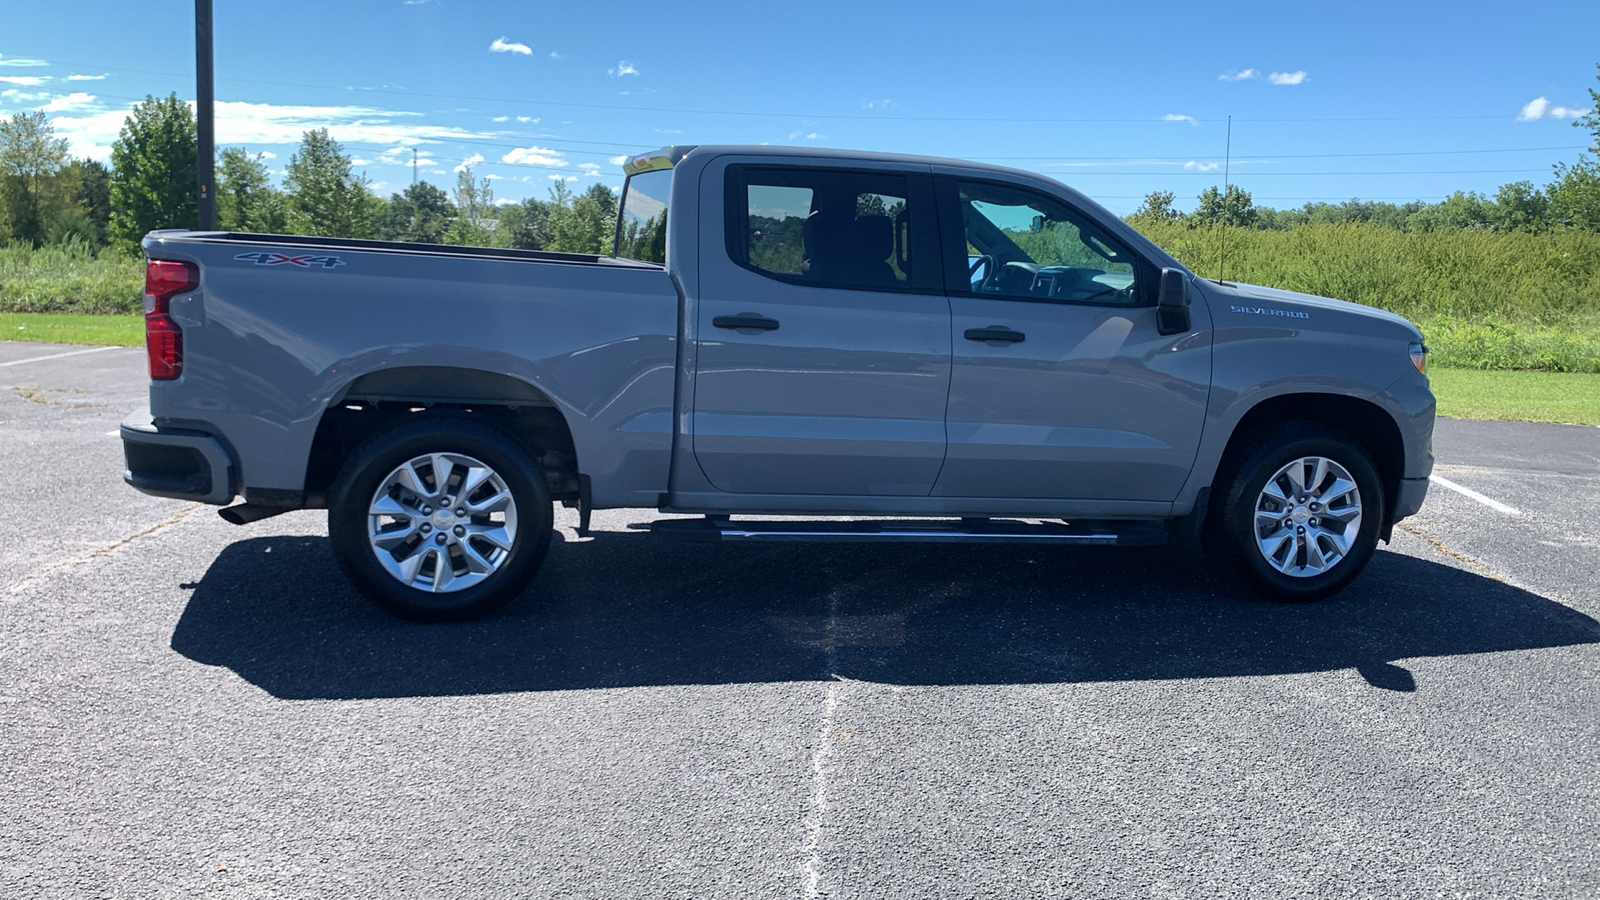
x: 1227, y: 159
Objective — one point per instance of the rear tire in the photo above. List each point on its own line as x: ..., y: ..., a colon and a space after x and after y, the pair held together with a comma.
x: 440, y: 519
x: 1299, y: 515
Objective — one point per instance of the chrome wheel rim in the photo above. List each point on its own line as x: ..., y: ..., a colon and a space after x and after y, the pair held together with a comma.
x: 1307, y: 517
x: 442, y: 522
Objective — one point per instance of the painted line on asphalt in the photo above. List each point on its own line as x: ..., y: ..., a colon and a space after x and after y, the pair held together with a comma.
x: 18, y: 362
x: 1490, y: 502
x: 60, y: 565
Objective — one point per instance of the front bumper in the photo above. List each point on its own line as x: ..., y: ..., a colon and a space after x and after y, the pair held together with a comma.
x: 1412, y: 492
x: 181, y: 463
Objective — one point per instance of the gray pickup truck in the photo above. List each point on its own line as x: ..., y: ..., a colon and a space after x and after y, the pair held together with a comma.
x: 853, y: 346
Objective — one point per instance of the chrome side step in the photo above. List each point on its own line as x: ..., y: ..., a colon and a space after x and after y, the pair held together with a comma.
x: 1141, y: 533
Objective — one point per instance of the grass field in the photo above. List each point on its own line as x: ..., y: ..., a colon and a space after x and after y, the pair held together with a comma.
x: 1462, y: 393
x: 73, y: 328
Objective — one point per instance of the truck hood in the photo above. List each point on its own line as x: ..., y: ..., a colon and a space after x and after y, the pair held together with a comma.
x: 1266, y: 301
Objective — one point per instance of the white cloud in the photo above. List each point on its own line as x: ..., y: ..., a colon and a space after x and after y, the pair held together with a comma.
x: 20, y: 62
x: 875, y: 104
x: 358, y: 161
x: 25, y: 80
x: 528, y: 120
x: 1287, y: 77
x: 501, y: 45
x: 590, y: 169
x: 1241, y: 75
x: 493, y: 177
x: 267, y: 154
x: 563, y: 177
x: 74, y: 100
x: 87, y: 77
x: 24, y: 96
x: 1541, y: 108
x: 91, y: 133
x: 669, y: 131
x: 1192, y: 166
x: 804, y: 136
x: 617, y: 160
x: 1179, y: 117
x: 623, y: 68
x: 534, y: 156
x: 555, y: 55
x: 469, y: 162
x: 501, y: 119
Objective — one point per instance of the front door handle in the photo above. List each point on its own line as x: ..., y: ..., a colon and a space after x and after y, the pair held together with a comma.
x: 995, y: 334
x: 746, y: 322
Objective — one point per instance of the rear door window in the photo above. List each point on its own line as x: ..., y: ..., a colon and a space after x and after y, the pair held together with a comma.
x: 829, y: 228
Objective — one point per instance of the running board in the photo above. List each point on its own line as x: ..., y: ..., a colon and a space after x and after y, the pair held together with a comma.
x: 1141, y: 533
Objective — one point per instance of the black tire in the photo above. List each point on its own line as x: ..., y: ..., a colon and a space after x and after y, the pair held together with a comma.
x: 381, y: 456
x: 1231, y: 536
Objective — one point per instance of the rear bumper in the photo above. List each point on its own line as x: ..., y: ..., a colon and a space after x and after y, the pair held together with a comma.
x: 181, y: 463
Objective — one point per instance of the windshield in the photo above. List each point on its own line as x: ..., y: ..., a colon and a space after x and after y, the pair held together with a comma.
x: 642, y: 220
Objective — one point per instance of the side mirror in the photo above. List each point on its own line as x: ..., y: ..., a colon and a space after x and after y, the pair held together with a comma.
x: 1172, y: 303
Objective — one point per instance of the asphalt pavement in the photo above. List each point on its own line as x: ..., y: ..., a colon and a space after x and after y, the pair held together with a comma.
x: 194, y: 709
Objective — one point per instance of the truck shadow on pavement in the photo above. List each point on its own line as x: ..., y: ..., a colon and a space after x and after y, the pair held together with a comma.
x: 626, y: 610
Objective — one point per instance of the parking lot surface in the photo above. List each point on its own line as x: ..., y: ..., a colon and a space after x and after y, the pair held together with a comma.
x: 194, y: 709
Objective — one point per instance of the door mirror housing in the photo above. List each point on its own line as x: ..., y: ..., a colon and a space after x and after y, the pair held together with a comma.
x: 1172, y: 303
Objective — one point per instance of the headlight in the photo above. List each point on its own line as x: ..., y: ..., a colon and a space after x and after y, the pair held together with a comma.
x: 1419, y: 356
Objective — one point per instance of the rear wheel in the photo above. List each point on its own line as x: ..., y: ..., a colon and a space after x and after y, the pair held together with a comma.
x: 440, y: 519
x: 1300, y: 514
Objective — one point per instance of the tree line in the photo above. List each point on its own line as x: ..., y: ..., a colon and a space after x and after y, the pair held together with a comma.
x: 49, y: 198
x: 1571, y: 200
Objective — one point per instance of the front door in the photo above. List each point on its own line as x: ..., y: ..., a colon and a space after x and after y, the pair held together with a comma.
x: 823, y: 361
x: 1061, y: 386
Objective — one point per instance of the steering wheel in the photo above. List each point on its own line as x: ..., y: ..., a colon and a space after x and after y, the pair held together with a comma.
x: 991, y: 270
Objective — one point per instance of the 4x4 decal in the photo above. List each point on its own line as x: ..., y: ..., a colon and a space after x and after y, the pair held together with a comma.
x: 307, y: 261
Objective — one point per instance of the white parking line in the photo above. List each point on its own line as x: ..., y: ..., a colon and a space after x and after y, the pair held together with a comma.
x: 1490, y: 502
x: 18, y: 362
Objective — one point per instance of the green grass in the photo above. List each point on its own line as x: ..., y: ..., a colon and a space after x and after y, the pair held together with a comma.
x: 72, y: 328
x: 1522, y: 396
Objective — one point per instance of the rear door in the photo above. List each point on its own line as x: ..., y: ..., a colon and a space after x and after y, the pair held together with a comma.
x: 1061, y: 386
x: 823, y: 361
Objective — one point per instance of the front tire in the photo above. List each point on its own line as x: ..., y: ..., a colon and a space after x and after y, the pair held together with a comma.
x: 1300, y: 514
x: 440, y: 519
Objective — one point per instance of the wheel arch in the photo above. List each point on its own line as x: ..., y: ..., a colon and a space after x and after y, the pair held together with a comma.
x: 1367, y: 423
x: 381, y: 399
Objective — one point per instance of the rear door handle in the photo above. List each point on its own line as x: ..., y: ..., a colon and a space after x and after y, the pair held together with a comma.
x: 995, y: 334
x: 746, y: 321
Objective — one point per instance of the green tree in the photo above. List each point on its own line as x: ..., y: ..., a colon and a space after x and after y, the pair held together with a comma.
x: 91, y: 192
x: 525, y: 225
x: 325, y: 196
x: 1519, y: 206
x: 474, y: 223
x: 31, y: 162
x: 154, y: 171
x: 1157, y: 207
x: 1592, y: 120
x: 1235, y: 208
x: 246, y: 199
x: 1575, y: 194
x: 588, y: 224
x: 422, y: 213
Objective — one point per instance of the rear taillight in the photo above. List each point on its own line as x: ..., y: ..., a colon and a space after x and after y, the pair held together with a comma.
x: 163, y: 339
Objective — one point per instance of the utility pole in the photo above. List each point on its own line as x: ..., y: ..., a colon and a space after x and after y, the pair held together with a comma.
x: 205, y: 115
x: 413, y: 167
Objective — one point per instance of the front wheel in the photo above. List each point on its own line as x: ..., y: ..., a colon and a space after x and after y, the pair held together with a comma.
x: 1300, y: 515
x: 440, y: 519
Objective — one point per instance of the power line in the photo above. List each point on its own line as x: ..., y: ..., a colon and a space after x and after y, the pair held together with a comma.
x: 767, y: 114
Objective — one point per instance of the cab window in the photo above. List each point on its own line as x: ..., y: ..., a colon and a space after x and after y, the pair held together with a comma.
x: 1025, y: 245
x: 825, y: 228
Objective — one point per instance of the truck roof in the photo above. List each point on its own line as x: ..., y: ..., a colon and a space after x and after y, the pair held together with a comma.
x: 670, y: 156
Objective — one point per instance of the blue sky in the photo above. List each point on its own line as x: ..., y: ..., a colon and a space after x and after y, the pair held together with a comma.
x: 1329, y: 101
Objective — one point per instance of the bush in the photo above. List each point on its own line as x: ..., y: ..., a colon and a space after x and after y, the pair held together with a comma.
x: 70, y: 278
